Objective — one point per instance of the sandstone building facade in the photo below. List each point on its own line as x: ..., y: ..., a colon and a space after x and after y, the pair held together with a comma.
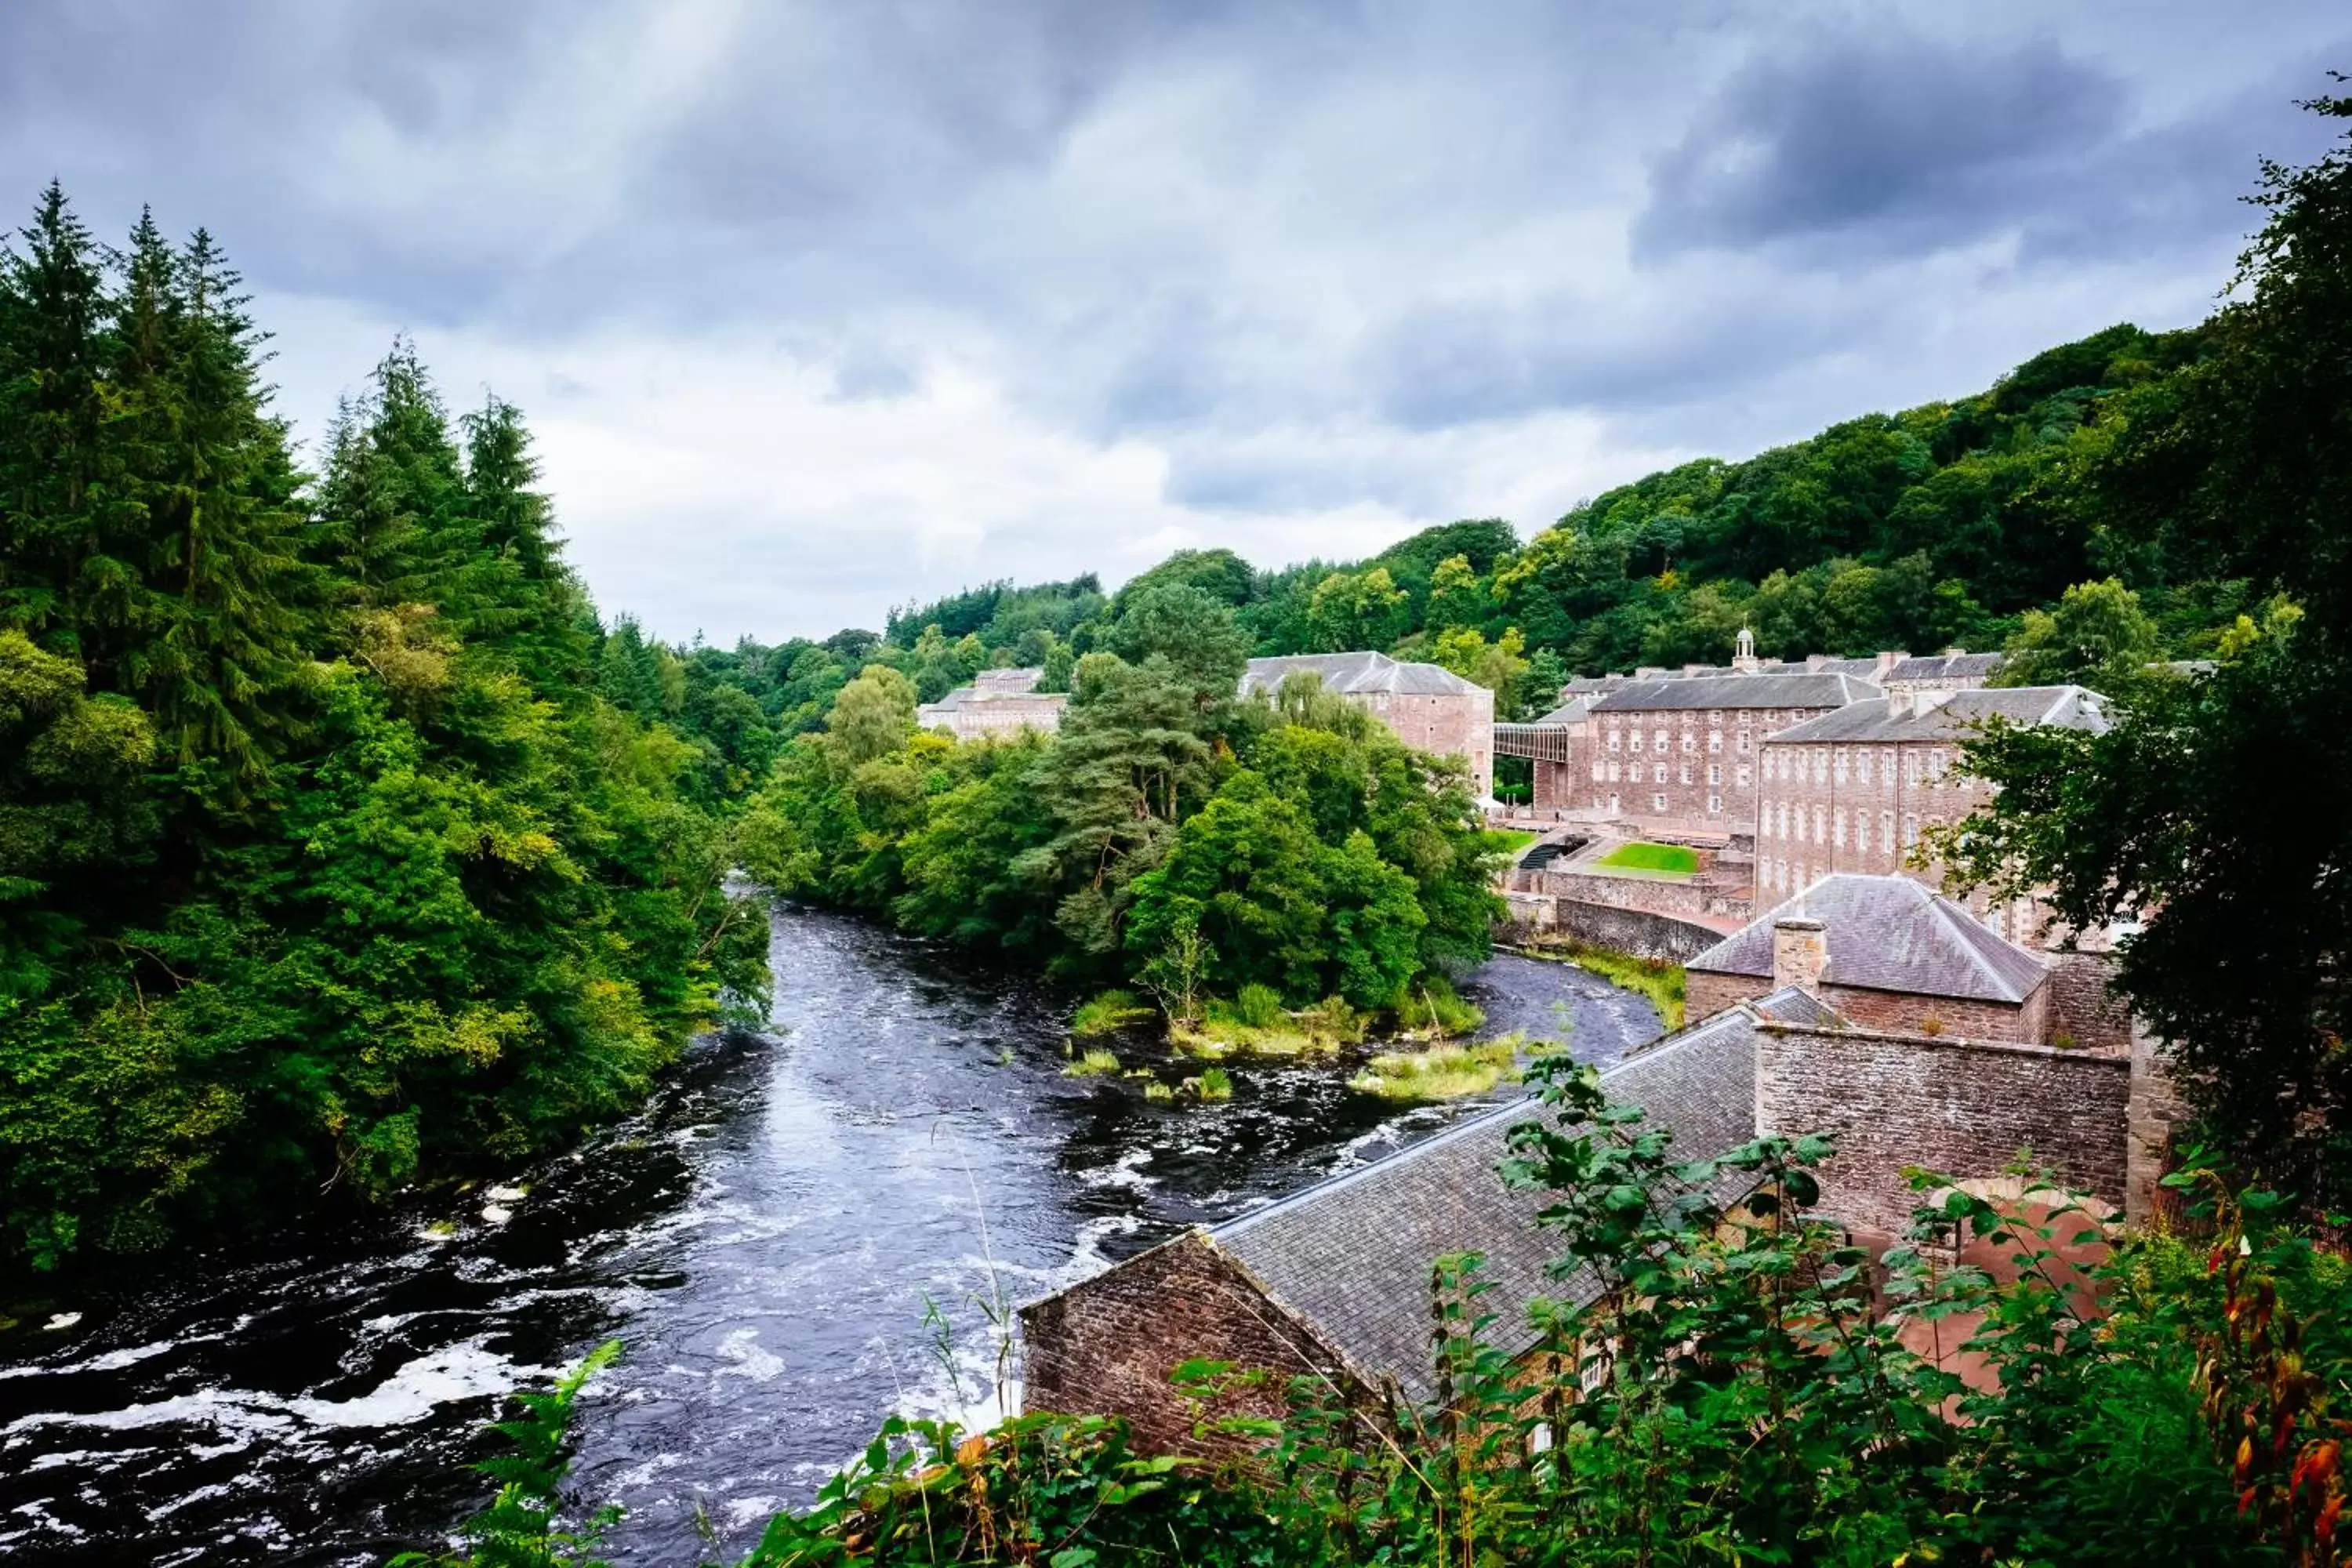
x: 1426, y: 706
x: 997, y: 702
x: 1853, y: 790
x: 1581, y: 753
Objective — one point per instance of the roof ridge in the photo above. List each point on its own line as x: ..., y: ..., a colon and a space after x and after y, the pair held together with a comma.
x: 1665, y: 1045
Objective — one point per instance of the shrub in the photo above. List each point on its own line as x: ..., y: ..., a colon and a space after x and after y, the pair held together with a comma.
x: 1258, y: 1006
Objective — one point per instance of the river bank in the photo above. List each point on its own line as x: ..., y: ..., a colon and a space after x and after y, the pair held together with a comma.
x: 767, y: 1239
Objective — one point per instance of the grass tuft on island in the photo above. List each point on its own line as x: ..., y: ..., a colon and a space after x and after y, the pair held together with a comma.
x: 1111, y: 1011
x: 1442, y: 1072
x: 1255, y: 1023
x: 1094, y: 1064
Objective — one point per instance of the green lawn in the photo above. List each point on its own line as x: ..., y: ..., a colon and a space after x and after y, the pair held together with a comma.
x: 1514, y: 840
x: 1641, y: 856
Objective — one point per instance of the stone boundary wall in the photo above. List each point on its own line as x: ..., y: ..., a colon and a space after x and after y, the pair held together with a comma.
x: 1654, y: 894
x: 1108, y: 1345
x: 1902, y: 1013
x: 2081, y: 1005
x: 1637, y: 931
x: 1964, y: 1108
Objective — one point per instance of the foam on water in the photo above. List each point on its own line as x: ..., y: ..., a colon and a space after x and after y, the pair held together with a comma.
x: 798, y: 1236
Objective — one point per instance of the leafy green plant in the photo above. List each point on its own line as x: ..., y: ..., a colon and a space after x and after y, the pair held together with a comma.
x: 524, y: 1526
x: 1214, y: 1083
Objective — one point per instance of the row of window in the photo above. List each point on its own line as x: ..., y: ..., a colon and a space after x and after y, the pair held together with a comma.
x: 1790, y: 765
x: 1630, y: 773
x: 1658, y: 804
x: 1714, y: 718
x: 1827, y: 826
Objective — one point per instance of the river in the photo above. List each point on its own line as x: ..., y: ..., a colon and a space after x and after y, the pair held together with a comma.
x: 767, y: 1239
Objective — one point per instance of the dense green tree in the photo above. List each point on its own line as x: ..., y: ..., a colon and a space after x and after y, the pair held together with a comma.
x: 1194, y: 633
x: 2212, y: 817
x: 2097, y: 637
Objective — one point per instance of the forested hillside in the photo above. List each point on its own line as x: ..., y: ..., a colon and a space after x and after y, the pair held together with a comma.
x: 1962, y: 521
x: 324, y: 866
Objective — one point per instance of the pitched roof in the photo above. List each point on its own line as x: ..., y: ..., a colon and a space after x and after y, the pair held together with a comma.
x: 1946, y: 666
x: 1573, y: 711
x: 1354, y: 673
x: 1811, y: 690
x: 1876, y: 719
x: 1352, y: 1255
x: 1889, y: 933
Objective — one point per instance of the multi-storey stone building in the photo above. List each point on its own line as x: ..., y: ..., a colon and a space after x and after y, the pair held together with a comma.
x: 1680, y: 754
x: 1583, y: 754
x: 997, y: 702
x: 1426, y: 706
x: 1853, y: 789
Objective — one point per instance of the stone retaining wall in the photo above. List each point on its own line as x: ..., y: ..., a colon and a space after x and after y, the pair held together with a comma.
x: 1536, y: 917
x: 1960, y: 1108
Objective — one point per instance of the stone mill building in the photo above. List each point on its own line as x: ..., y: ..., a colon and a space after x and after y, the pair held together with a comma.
x: 1868, y: 1007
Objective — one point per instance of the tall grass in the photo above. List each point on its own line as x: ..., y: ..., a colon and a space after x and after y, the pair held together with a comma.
x: 1094, y: 1064
x: 1111, y: 1010
x: 1442, y: 1072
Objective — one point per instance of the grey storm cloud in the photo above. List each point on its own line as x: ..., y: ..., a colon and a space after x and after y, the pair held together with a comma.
x: 816, y: 298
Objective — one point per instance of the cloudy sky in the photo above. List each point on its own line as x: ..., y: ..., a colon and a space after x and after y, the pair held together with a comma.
x: 818, y: 307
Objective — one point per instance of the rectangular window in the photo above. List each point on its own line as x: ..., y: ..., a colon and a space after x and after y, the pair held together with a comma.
x: 1658, y: 803
x: 1715, y: 741
x: 1820, y: 826
x: 1784, y: 819
x: 1661, y: 740
x: 1685, y: 772
x: 1743, y: 775
x: 1715, y: 805
x: 1596, y: 770
x: 1613, y: 739
x: 1613, y: 770
x: 1637, y: 739
x: 1690, y: 742
x: 1838, y: 769
x: 1746, y: 745
x: 1837, y: 827
x: 1821, y: 766
x: 1658, y: 773
x: 1862, y: 763
x: 1910, y: 830
x: 1714, y: 773
x: 1887, y: 832
x: 1714, y: 717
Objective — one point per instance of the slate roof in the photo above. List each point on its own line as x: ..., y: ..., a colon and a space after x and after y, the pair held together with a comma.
x: 1876, y: 721
x: 1946, y: 666
x: 1815, y: 691
x: 1355, y: 673
x: 1573, y: 711
x: 1352, y: 1255
x: 1889, y: 933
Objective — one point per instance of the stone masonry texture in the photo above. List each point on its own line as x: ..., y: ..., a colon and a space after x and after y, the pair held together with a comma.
x: 1112, y: 1343
x: 1961, y: 1108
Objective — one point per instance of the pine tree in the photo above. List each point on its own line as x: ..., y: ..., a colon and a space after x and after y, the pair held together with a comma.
x: 529, y: 598
x: 226, y: 604
x: 56, y: 570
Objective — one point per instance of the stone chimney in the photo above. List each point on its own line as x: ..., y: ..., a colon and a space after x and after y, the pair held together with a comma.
x: 1887, y: 660
x: 1801, y: 950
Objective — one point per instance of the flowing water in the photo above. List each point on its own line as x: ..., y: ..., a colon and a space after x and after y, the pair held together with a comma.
x: 768, y: 1239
